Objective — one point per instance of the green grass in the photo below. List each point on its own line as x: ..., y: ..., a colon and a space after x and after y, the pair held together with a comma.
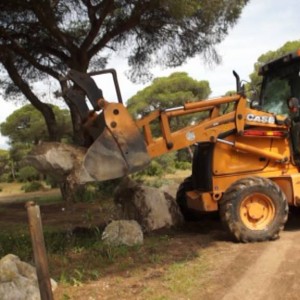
x: 47, y: 199
x: 74, y: 256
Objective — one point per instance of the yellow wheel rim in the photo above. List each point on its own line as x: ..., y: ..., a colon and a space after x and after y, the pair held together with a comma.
x: 257, y: 211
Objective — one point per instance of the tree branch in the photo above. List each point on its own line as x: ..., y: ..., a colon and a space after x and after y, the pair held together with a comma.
x: 16, y: 48
x: 118, y: 30
x: 44, y: 108
x: 45, y: 17
x: 105, y: 8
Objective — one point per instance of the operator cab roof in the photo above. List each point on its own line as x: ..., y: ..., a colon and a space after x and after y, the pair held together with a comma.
x: 277, y: 64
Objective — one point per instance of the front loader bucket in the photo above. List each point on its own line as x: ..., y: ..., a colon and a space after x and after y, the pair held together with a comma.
x: 119, y: 150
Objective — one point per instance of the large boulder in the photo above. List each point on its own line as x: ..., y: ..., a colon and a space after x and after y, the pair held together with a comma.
x: 123, y: 232
x: 61, y: 161
x: 152, y: 208
x: 18, y: 280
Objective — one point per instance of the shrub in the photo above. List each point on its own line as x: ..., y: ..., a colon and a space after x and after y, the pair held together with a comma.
x: 52, y: 182
x: 6, y: 177
x: 183, y: 165
x: 167, y: 162
x: 86, y: 193
x: 106, y: 188
x: 28, y: 173
x: 32, y: 186
x: 154, y: 169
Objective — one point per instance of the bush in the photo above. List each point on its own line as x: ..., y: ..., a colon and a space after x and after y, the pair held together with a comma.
x: 183, y: 165
x: 86, y: 193
x: 52, y: 182
x: 96, y: 190
x: 154, y: 169
x: 28, y: 173
x: 167, y: 162
x: 32, y: 186
x: 6, y: 177
x: 106, y: 188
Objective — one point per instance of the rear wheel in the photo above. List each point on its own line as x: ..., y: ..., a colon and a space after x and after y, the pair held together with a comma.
x: 254, y: 209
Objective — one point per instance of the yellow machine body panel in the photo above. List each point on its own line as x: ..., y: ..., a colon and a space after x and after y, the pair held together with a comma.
x: 227, y: 160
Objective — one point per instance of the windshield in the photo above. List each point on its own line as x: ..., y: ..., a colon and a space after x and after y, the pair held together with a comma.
x: 276, y: 93
x: 278, y: 87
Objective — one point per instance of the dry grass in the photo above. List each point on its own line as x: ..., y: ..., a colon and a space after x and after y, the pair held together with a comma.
x: 9, y: 189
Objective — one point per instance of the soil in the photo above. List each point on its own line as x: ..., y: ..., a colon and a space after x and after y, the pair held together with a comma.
x: 218, y: 267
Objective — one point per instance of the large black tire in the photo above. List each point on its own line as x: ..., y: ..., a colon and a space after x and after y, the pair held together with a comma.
x: 254, y: 209
x: 185, y: 186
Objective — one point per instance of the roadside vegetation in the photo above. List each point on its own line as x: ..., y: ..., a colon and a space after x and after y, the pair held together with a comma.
x: 76, y: 253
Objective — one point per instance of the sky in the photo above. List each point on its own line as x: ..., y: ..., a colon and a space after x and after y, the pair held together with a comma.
x: 263, y: 26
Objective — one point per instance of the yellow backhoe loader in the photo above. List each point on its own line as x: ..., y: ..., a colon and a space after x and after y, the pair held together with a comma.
x: 247, y: 158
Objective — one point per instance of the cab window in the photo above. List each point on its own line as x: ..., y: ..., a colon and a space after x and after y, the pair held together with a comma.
x: 276, y: 91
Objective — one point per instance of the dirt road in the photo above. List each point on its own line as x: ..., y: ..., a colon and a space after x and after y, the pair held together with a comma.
x: 258, y: 271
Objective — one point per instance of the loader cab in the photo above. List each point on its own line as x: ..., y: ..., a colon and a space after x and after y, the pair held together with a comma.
x: 281, y: 82
x: 280, y: 94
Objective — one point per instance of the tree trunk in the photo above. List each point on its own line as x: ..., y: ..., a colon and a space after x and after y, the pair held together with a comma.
x: 79, y: 137
x: 12, y: 168
x: 44, y: 108
x: 67, y: 191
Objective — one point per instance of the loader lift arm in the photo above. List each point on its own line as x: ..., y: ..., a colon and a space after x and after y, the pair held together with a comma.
x: 122, y: 146
x: 211, y: 129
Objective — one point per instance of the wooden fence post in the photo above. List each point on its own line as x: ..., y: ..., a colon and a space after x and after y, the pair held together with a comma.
x: 39, y: 250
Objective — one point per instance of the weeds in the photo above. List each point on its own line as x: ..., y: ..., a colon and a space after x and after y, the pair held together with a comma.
x: 32, y: 186
x: 78, y: 256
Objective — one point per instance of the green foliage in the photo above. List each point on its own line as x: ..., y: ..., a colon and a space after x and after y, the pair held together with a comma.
x: 167, y: 162
x: 265, y: 58
x: 26, y: 125
x: 96, y: 190
x: 154, y: 169
x: 28, y: 173
x: 167, y: 92
x: 4, y: 165
x: 52, y: 182
x: 86, y: 193
x: 183, y: 165
x: 157, y: 182
x: 106, y: 188
x: 32, y: 187
x: 159, y: 166
x: 17, y: 153
x: 18, y: 243
x: 6, y: 177
x: 193, y: 26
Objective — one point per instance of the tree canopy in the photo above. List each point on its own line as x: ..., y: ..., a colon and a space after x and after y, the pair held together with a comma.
x: 167, y: 92
x: 40, y: 38
x: 26, y: 125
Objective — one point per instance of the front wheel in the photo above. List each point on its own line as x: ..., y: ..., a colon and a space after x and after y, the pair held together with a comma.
x: 254, y: 209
